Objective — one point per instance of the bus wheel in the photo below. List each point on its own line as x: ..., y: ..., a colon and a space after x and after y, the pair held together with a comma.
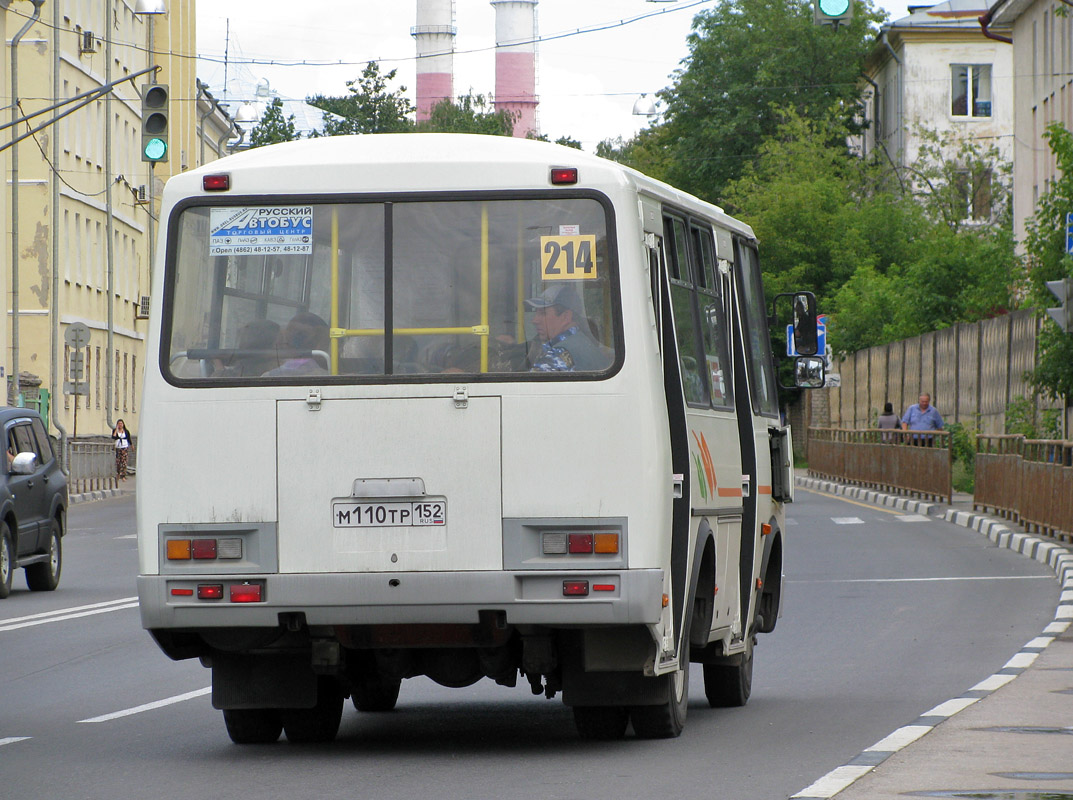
x: 729, y: 684
x: 667, y: 720
x: 45, y: 575
x: 376, y: 694
x: 601, y: 722
x: 252, y: 725
x: 319, y: 723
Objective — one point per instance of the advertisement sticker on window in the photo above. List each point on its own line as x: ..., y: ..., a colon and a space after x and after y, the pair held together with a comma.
x: 261, y: 230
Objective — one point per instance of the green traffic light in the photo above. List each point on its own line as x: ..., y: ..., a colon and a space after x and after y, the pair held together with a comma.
x: 155, y: 149
x: 834, y: 8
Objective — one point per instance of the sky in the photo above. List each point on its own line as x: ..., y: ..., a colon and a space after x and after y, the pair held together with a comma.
x: 595, y: 59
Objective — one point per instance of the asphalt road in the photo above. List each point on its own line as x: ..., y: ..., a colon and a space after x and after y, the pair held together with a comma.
x: 886, y: 615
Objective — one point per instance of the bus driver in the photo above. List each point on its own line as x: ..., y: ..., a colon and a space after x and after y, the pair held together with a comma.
x: 563, y: 344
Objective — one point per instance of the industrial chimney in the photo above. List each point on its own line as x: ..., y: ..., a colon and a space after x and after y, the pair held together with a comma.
x: 516, y: 62
x: 435, y: 37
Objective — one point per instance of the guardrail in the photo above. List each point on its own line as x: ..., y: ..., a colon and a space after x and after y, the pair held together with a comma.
x: 1029, y: 481
x: 91, y: 466
x: 906, y: 462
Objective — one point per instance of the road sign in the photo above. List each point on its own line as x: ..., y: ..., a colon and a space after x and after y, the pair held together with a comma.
x: 76, y: 387
x: 1069, y: 233
x: 77, y: 335
x: 76, y: 365
x: 1063, y: 315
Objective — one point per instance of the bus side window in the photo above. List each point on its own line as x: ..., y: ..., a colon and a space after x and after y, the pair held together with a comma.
x: 757, y: 342
x: 683, y: 306
x: 713, y: 320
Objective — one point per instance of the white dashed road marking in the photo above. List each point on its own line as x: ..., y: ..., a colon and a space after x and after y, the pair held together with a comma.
x: 61, y: 614
x: 847, y: 520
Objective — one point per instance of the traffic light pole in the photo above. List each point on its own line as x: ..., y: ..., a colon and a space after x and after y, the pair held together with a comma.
x: 108, y: 204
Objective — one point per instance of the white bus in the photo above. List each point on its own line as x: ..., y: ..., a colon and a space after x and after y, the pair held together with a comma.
x: 464, y: 407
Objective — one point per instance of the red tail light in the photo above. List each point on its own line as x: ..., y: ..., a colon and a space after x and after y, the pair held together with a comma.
x: 210, y: 591
x: 575, y: 588
x: 246, y: 593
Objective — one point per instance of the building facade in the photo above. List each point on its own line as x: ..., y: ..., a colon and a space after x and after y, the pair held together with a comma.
x: 80, y: 201
x: 935, y: 70
x: 1042, y: 46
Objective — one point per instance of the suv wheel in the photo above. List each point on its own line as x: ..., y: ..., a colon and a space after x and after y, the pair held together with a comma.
x: 45, y: 575
x: 7, y: 561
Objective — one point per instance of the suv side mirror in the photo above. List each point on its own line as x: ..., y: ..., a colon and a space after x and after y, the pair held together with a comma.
x: 24, y: 464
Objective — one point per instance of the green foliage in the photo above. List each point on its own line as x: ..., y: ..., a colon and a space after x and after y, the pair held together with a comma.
x: 746, y: 59
x: 646, y: 152
x: 273, y: 128
x: 368, y: 107
x: 885, y: 263
x: 1048, y: 261
x: 963, y: 453
x: 565, y: 141
x: 473, y: 113
x: 1024, y: 417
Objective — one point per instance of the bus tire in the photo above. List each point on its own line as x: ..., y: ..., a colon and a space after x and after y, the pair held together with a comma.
x: 376, y: 694
x: 7, y: 561
x: 666, y: 720
x: 45, y: 575
x: 253, y: 725
x: 729, y: 684
x: 319, y: 723
x: 601, y: 722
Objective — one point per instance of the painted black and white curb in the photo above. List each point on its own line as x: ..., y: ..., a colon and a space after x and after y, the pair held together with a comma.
x: 1057, y: 557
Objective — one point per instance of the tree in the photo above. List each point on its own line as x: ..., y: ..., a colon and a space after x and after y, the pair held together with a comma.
x: 472, y: 113
x: 1048, y: 261
x: 565, y: 141
x: 368, y: 107
x: 746, y: 59
x: 646, y: 152
x: 272, y: 127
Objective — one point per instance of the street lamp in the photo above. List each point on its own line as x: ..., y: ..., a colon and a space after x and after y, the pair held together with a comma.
x: 247, y: 112
x: 645, y: 106
x: 150, y: 7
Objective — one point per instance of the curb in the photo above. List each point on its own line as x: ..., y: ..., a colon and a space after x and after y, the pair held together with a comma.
x: 1058, y: 558
x: 96, y: 494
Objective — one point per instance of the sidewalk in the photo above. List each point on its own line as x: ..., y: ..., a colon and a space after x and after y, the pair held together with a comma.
x: 125, y: 487
x: 1009, y: 737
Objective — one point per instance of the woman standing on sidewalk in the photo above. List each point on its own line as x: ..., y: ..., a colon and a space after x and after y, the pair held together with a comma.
x: 122, y: 448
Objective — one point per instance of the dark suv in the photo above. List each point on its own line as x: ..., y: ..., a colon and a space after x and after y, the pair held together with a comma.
x: 33, y: 503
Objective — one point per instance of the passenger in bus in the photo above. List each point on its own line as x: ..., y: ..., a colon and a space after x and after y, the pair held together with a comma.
x: 307, y: 334
x: 254, y: 356
x: 564, y: 343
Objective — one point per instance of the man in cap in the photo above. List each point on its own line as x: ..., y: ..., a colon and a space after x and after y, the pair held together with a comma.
x: 564, y: 345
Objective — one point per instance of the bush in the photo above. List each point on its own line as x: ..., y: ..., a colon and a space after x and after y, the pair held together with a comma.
x: 1025, y: 418
x: 963, y: 454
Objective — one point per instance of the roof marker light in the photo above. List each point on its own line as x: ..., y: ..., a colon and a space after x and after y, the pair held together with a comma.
x: 563, y: 176
x: 216, y: 183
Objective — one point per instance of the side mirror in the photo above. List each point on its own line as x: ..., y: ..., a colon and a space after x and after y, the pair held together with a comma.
x: 805, y: 324
x: 809, y: 372
x: 24, y: 464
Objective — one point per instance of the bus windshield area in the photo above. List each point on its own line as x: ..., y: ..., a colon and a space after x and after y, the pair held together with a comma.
x: 265, y: 291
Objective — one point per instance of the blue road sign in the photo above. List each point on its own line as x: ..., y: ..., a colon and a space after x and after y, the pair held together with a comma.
x: 821, y: 338
x: 1069, y: 233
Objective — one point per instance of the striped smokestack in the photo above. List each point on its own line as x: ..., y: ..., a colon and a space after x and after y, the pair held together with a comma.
x: 434, y: 34
x: 516, y: 62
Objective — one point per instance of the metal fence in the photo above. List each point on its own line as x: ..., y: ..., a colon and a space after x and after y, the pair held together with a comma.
x: 905, y: 462
x: 91, y: 466
x: 1029, y: 481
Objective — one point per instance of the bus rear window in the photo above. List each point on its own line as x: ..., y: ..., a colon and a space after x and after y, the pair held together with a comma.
x: 267, y: 291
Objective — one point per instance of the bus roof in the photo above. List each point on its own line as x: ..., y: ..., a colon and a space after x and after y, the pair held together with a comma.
x: 400, y: 162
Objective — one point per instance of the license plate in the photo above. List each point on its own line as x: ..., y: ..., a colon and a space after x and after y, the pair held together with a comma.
x: 390, y: 514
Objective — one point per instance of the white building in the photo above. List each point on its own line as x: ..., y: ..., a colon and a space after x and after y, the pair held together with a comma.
x: 935, y: 69
x: 1042, y: 47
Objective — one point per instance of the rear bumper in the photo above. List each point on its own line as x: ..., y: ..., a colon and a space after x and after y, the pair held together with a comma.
x: 527, y: 598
